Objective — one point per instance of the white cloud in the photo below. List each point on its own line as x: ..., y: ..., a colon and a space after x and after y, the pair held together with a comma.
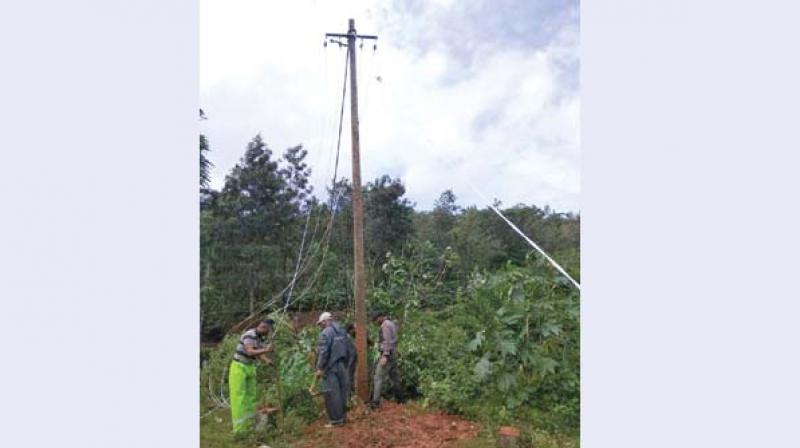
x: 509, y: 124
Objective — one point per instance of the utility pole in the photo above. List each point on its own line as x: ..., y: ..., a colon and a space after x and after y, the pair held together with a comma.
x: 359, y: 279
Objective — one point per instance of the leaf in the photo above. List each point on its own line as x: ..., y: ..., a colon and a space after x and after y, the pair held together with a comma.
x: 527, y: 357
x: 483, y: 368
x: 475, y: 343
x: 550, y: 328
x: 546, y: 366
x: 516, y: 293
x: 508, y: 347
x: 512, y: 402
x: 506, y: 382
x: 512, y: 319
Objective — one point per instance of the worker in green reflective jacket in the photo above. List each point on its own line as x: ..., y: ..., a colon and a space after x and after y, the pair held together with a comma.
x: 242, y: 374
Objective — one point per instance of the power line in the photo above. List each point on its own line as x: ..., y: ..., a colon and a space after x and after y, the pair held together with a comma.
x: 341, y: 119
x: 299, y: 259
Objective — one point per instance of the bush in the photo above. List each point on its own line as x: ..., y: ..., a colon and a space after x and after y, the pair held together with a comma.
x: 508, y: 347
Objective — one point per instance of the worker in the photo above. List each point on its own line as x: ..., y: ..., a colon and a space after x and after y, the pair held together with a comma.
x: 387, y: 359
x: 242, y: 374
x: 333, y: 358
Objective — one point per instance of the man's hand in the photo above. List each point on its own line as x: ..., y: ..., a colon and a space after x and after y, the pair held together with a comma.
x: 384, y: 359
x: 318, y: 373
x: 268, y: 348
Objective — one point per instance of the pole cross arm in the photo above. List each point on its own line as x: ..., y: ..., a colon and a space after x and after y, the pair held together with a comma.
x: 358, y: 36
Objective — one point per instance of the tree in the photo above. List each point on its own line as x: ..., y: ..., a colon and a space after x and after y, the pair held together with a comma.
x: 388, y: 224
x: 205, y: 164
x: 252, y: 229
x: 296, y: 172
x: 443, y: 219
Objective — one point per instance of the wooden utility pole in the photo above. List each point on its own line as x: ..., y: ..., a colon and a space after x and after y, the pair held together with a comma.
x: 359, y: 279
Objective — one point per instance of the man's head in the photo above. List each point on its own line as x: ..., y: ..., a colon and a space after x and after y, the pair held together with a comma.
x: 264, y: 327
x: 324, y: 319
x: 378, y: 317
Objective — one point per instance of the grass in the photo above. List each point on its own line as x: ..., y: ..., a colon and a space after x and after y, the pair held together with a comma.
x: 216, y: 432
x: 529, y: 437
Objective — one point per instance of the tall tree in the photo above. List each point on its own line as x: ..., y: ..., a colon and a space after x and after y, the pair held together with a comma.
x: 443, y: 219
x: 205, y: 164
x: 255, y: 224
x: 388, y: 223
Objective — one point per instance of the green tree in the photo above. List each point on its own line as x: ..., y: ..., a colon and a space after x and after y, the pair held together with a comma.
x: 252, y: 229
x: 205, y: 164
x: 388, y: 223
x: 444, y: 218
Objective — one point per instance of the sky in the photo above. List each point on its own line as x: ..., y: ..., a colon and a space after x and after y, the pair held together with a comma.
x: 481, y: 97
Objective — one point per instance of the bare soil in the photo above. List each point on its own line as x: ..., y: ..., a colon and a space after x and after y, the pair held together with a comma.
x: 392, y: 426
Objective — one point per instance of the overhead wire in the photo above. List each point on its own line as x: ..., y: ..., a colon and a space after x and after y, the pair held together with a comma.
x: 301, y: 266
x: 324, y: 240
x: 299, y: 260
x: 335, y: 193
x: 341, y: 120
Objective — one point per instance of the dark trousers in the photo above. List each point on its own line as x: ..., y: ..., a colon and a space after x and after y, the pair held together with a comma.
x: 380, y: 374
x: 351, y: 376
x: 337, y: 389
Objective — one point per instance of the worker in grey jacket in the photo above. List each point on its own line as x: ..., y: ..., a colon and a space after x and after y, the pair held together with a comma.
x: 333, y: 356
x: 387, y: 359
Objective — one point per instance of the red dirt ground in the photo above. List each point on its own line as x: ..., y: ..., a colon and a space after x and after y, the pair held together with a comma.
x: 392, y: 426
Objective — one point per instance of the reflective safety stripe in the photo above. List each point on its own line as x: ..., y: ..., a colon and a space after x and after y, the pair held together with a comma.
x: 243, y: 419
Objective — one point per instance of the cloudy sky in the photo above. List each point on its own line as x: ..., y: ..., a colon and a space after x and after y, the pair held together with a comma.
x: 459, y: 94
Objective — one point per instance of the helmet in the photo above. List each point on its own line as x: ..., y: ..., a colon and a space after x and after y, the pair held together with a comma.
x: 324, y: 316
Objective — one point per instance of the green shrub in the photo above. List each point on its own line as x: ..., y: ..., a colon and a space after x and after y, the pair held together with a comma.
x: 507, y: 347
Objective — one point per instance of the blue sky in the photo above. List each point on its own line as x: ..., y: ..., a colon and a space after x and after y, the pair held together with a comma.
x: 458, y: 94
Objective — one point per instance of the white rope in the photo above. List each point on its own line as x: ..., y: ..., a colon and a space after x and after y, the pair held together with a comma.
x: 530, y: 241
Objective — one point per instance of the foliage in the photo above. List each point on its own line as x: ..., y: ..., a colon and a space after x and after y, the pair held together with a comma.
x: 250, y: 232
x: 415, y: 279
x: 205, y: 164
x: 508, y: 348
x: 388, y: 217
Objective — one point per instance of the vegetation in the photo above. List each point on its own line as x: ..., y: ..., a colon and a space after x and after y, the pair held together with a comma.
x: 488, y: 329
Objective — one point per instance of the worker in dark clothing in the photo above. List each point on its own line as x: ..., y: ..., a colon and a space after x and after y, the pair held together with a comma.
x: 332, y: 361
x: 387, y: 359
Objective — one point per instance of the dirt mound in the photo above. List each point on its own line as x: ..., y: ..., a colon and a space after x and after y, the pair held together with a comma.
x: 392, y: 426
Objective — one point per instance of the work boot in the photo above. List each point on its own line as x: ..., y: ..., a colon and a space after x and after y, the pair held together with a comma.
x: 334, y: 424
